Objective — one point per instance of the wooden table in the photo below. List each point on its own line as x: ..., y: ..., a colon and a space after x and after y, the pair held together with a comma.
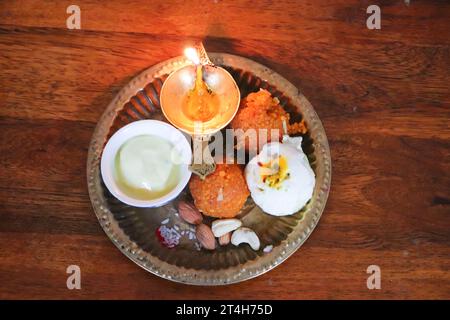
x: 383, y: 97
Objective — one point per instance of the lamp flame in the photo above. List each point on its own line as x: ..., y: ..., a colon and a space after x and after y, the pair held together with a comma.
x: 192, y: 55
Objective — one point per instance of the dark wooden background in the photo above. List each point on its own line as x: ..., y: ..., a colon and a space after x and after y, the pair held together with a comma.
x: 383, y: 97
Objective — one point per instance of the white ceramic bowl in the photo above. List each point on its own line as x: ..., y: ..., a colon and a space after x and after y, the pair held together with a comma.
x: 145, y: 127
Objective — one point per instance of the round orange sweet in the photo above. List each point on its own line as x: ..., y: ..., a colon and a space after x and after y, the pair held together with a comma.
x: 259, y: 110
x: 223, y: 193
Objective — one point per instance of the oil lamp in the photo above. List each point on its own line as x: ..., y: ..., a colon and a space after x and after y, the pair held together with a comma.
x: 200, y: 99
x: 199, y: 74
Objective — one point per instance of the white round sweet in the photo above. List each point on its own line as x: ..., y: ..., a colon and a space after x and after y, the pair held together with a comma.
x: 280, y: 178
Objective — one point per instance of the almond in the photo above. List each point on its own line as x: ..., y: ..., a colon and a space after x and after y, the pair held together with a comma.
x: 189, y: 213
x: 205, y: 237
x: 225, y: 239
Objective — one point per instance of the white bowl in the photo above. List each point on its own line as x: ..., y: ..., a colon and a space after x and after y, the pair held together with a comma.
x: 145, y: 127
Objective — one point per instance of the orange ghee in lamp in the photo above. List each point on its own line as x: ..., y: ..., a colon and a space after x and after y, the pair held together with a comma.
x: 200, y: 103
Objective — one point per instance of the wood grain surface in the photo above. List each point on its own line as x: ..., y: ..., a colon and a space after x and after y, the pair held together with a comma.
x: 383, y: 97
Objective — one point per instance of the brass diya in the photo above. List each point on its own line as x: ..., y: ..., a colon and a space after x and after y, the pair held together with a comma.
x: 132, y: 229
x: 178, y: 85
x: 200, y: 99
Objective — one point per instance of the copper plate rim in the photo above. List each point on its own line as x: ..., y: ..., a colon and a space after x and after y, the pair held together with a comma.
x: 249, y: 269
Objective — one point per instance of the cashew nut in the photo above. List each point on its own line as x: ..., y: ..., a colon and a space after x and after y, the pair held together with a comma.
x: 245, y: 235
x: 223, y: 226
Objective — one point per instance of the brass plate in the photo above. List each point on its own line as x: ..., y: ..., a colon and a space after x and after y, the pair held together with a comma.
x: 132, y: 230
